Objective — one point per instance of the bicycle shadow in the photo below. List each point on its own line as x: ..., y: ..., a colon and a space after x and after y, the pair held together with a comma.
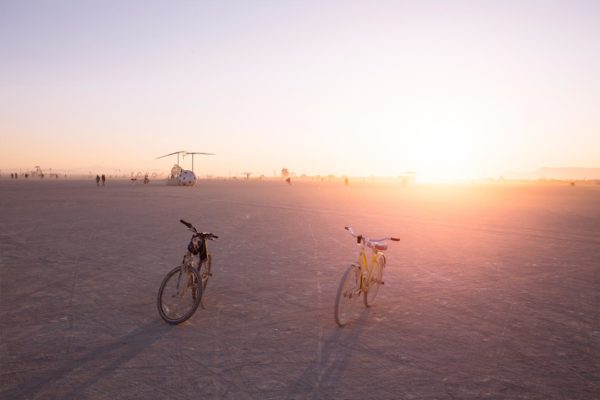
x: 321, y: 377
x: 101, y: 362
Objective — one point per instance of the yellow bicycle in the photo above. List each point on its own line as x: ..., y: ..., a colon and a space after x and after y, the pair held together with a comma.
x: 362, y: 278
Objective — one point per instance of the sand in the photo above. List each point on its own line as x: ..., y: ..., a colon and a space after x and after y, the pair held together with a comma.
x: 493, y: 292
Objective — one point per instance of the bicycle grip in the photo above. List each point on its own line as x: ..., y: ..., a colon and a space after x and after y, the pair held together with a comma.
x: 395, y: 239
x: 185, y: 223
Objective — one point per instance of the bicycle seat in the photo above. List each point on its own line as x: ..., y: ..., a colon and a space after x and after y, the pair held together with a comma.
x: 381, y: 246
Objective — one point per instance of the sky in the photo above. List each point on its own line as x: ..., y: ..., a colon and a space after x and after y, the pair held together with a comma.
x: 448, y: 89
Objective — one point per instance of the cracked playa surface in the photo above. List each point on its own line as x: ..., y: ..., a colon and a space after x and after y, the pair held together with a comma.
x: 493, y: 292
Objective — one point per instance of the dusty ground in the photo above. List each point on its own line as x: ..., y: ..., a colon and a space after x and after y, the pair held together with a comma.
x: 492, y: 293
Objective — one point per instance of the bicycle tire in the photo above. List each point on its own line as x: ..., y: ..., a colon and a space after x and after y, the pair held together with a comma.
x: 204, y: 271
x: 174, y: 305
x: 374, y: 281
x: 346, y: 296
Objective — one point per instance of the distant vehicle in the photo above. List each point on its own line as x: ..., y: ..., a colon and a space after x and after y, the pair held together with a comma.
x: 180, y: 176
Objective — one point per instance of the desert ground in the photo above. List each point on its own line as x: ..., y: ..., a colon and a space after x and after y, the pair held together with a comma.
x: 493, y: 291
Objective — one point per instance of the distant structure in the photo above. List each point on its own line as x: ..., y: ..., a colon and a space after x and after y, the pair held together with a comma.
x: 557, y: 173
x: 180, y: 176
x: 285, y: 173
x: 247, y: 175
x: 407, y: 177
x: 37, y: 171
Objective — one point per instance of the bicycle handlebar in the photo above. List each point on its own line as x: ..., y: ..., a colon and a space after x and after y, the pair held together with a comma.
x: 206, y: 235
x: 360, y: 238
x: 190, y: 226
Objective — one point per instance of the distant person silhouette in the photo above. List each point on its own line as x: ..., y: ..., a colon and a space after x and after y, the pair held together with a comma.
x: 12, y: 176
x: 97, y: 180
x: 103, y: 179
x: 346, y: 181
x: 288, y: 180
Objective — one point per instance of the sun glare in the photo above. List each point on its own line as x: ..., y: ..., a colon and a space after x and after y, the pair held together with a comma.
x: 441, y: 156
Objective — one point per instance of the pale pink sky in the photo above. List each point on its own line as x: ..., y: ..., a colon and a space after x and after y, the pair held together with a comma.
x: 449, y: 89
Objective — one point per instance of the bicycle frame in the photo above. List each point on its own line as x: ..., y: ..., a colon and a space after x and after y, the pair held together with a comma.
x: 365, y: 266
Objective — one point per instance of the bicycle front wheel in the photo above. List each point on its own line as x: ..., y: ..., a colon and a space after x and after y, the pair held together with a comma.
x: 374, y: 281
x: 348, y: 292
x: 179, y: 295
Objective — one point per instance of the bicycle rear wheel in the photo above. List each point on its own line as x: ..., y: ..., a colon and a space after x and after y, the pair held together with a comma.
x: 374, y: 281
x: 204, y: 271
x: 179, y: 295
x: 348, y: 292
